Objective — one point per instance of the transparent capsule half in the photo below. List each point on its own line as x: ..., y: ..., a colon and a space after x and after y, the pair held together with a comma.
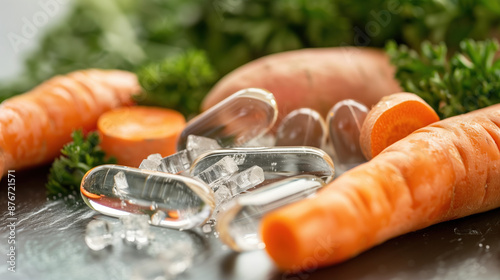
x: 276, y: 162
x: 182, y: 201
x: 302, y: 127
x: 236, y: 120
x: 344, y: 123
x: 239, y: 224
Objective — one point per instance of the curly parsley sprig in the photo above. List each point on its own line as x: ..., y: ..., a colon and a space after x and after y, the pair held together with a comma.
x: 465, y: 81
x: 77, y: 158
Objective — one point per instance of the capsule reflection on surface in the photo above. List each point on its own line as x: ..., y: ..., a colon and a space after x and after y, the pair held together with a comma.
x: 118, y: 191
x: 238, y: 225
x: 276, y: 162
x: 243, y: 116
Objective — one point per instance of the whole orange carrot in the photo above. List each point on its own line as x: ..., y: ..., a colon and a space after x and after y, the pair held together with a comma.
x: 34, y: 126
x: 444, y: 171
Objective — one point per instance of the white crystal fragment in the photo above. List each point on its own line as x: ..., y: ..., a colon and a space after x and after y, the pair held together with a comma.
x: 98, y: 235
x: 245, y: 180
x: 218, y: 172
x: 120, y: 187
x: 155, y: 157
x: 176, y: 163
x: 149, y: 165
x: 197, y: 145
x: 135, y: 230
x: 157, y: 217
x: 223, y: 194
x: 153, y: 162
x: 239, y: 158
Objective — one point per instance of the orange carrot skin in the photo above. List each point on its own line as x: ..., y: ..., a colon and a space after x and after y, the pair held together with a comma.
x: 445, y: 171
x: 34, y: 126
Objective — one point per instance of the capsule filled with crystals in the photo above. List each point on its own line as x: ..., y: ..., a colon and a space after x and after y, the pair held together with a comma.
x: 238, y: 225
x: 344, y: 123
x: 243, y: 116
x: 276, y: 162
x: 170, y: 200
x: 302, y: 127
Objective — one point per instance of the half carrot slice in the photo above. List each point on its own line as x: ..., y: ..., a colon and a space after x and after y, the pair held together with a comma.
x: 393, y: 118
x: 130, y: 134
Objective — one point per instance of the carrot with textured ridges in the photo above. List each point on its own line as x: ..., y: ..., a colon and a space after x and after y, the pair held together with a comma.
x: 444, y: 171
x: 130, y: 134
x: 393, y: 118
x: 34, y: 126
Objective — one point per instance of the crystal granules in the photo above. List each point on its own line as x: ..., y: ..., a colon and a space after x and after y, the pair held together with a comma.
x: 98, y: 235
x: 135, y: 230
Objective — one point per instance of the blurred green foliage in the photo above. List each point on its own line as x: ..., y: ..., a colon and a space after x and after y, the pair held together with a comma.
x: 188, y: 74
x: 128, y: 34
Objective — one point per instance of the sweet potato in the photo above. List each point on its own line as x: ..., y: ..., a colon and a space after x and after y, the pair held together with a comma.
x: 313, y: 78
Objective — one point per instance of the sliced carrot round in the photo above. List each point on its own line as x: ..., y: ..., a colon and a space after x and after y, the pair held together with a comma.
x: 393, y: 118
x: 130, y: 134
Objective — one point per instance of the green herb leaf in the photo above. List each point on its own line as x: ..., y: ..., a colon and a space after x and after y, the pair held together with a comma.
x: 77, y: 158
x: 178, y: 82
x: 466, y: 81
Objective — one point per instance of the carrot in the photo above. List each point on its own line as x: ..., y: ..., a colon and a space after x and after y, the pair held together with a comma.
x: 34, y: 126
x: 132, y: 133
x: 393, y: 118
x: 444, y: 171
x: 313, y: 78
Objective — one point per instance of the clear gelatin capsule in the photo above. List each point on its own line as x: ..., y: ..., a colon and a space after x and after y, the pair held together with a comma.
x: 344, y: 123
x: 170, y: 200
x: 243, y: 116
x: 302, y: 127
x: 239, y: 224
x: 276, y: 162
